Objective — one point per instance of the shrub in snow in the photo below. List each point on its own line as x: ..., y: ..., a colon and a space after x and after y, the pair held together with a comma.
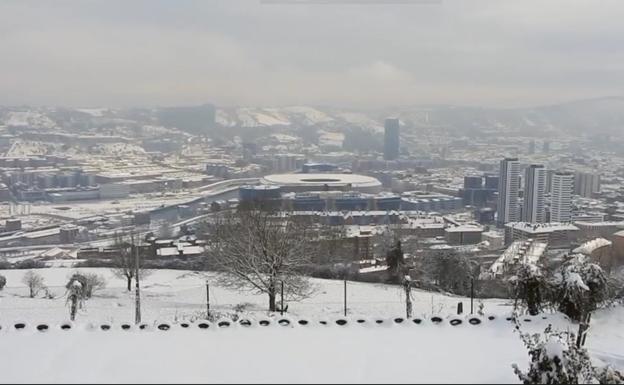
x: 481, y: 309
x: 48, y: 294
x: 608, y: 375
x: 2, y: 282
x: 216, y: 316
x: 242, y: 307
x: 451, y: 271
x: 529, y: 287
x: 579, y: 287
x: 34, y: 282
x: 555, y: 359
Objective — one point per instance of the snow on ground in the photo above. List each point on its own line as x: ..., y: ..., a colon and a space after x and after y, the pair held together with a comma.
x: 23, y: 148
x: 361, y: 120
x: 331, y: 139
x: 28, y: 119
x: 118, y: 149
x: 308, y: 115
x: 174, y: 294
x: 590, y: 246
x: 95, y: 112
x: 368, y: 352
x: 356, y: 353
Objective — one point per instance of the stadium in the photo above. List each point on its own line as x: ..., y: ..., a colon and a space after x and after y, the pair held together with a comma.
x: 323, y: 182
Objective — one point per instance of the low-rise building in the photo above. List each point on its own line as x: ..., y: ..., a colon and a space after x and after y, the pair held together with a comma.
x: 592, y: 230
x: 463, y: 234
x: 555, y: 235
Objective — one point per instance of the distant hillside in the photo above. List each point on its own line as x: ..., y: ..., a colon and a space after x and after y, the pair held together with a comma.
x: 602, y: 116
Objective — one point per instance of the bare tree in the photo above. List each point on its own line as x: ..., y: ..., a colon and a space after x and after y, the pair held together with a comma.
x: 95, y: 283
x: 124, y: 261
x: 259, y: 249
x: 34, y: 282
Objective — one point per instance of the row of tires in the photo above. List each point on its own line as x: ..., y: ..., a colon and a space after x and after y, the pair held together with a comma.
x: 266, y: 322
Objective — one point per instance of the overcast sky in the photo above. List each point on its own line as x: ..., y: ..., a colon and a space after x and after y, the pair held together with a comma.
x: 242, y: 52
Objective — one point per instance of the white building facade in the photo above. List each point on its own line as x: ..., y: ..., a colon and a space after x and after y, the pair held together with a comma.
x: 561, y: 197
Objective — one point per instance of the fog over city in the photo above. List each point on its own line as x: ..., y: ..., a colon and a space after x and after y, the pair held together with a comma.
x: 312, y: 191
x: 247, y: 52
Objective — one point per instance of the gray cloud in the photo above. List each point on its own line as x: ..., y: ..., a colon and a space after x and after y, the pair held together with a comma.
x: 239, y: 52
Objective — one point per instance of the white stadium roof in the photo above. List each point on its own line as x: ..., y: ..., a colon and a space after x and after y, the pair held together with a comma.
x: 311, y: 182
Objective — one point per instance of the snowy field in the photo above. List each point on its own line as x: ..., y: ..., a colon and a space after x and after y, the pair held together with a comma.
x: 357, y: 352
x: 181, y: 295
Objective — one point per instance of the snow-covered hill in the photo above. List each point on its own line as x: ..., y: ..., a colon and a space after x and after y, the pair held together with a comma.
x: 375, y: 345
x: 603, y: 115
x: 264, y: 117
x: 28, y: 118
x: 312, y: 353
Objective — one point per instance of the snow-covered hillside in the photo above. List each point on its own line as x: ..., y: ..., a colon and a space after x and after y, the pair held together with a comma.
x: 297, y: 116
x: 316, y: 350
x: 24, y: 148
x: 171, y: 294
x: 603, y: 115
x: 34, y: 118
x: 354, y: 353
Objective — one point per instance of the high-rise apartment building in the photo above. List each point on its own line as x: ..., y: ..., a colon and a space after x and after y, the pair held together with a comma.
x: 586, y: 184
x: 473, y: 182
x: 508, y: 188
x: 534, y: 210
x: 561, y: 197
x: 546, y: 147
x: 391, y: 139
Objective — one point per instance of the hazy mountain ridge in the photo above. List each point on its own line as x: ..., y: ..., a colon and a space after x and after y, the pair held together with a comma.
x: 597, y: 116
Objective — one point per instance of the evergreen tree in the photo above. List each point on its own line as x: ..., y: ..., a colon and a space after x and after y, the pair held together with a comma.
x: 529, y: 287
x: 395, y: 259
x: 579, y: 287
x: 451, y: 271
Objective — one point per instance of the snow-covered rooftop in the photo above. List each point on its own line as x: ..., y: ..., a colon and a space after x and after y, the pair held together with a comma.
x: 528, y: 251
x: 590, y: 246
x: 464, y: 229
x: 541, y: 228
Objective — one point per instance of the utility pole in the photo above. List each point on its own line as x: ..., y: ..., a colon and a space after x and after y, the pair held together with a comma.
x: 282, y: 297
x: 472, y: 295
x: 207, y: 299
x: 407, y: 285
x: 345, y: 295
x: 137, y: 315
x: 74, y: 307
